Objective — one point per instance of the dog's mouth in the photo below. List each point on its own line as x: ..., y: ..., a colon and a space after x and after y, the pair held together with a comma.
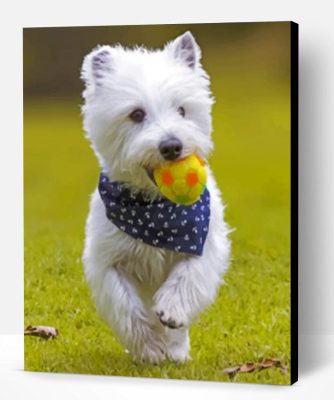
x: 149, y: 171
x: 150, y: 174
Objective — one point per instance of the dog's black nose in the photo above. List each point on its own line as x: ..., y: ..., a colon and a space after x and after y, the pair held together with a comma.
x: 170, y: 149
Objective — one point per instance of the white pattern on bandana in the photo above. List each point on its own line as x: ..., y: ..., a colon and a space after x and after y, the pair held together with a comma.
x: 159, y: 223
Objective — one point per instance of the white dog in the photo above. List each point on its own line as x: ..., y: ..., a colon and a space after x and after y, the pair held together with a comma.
x: 142, y: 108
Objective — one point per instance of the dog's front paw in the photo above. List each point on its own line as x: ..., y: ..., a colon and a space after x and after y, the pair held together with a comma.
x: 151, y: 354
x: 168, y: 320
x: 177, y: 353
x: 171, y: 314
x: 151, y: 351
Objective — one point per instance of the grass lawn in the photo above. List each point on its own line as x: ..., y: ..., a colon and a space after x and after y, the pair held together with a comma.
x: 250, y: 319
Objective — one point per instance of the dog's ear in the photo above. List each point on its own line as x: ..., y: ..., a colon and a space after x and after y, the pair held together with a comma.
x: 186, y: 49
x: 96, y: 66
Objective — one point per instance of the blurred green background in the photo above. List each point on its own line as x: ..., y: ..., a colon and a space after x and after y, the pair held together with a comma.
x: 249, y: 65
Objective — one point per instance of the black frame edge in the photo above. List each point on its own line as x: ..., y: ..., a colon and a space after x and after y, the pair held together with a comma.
x: 294, y: 200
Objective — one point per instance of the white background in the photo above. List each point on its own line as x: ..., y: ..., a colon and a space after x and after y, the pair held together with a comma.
x: 316, y: 142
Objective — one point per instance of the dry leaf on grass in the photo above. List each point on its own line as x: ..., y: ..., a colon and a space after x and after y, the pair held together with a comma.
x: 250, y: 367
x: 231, y: 370
x: 268, y: 362
x: 45, y: 332
x: 274, y: 362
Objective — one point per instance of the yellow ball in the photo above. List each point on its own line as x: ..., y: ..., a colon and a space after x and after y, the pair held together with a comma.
x: 182, y: 181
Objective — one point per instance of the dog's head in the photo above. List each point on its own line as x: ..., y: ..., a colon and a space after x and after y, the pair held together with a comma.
x: 145, y: 107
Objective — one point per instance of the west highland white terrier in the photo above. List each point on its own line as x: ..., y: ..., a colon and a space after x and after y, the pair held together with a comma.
x: 142, y: 108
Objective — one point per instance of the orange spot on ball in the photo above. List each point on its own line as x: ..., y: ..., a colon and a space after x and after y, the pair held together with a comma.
x: 192, y: 178
x: 167, y: 178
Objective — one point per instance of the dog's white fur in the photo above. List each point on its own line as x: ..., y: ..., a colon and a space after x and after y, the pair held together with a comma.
x: 140, y: 290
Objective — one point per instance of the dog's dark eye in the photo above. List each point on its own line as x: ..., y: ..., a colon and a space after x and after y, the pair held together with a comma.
x: 181, y: 111
x: 137, y: 115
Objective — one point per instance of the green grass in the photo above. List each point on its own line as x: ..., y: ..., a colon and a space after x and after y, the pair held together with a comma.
x: 250, y: 318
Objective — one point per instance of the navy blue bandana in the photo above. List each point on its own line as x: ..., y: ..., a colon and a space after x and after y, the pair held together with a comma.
x: 159, y: 223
